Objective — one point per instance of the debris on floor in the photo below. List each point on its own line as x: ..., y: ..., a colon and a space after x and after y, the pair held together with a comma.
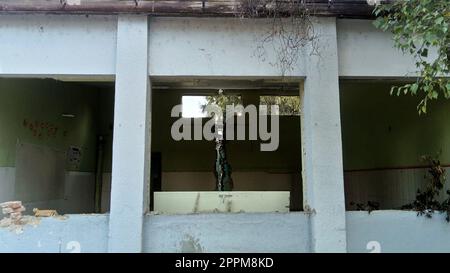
x: 45, y: 212
x: 16, y: 221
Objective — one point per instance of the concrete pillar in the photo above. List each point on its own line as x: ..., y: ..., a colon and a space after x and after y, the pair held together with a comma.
x: 323, y: 179
x: 131, y: 139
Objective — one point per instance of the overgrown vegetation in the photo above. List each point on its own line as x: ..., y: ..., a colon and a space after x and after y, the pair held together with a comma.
x: 288, y: 105
x: 421, y: 28
x: 222, y: 100
x: 289, y: 31
x: 426, y: 202
x: 369, y: 206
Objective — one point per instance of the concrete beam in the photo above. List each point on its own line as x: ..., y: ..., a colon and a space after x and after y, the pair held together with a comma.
x: 339, y: 8
x: 323, y: 180
x: 366, y: 52
x: 131, y: 139
x: 64, y: 47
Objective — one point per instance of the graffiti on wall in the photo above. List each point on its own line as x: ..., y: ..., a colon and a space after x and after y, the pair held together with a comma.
x: 43, y: 129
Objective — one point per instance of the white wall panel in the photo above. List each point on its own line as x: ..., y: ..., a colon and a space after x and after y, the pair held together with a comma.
x: 57, y: 45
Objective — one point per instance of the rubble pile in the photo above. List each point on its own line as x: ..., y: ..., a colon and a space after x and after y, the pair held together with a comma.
x: 14, y: 209
x: 15, y: 221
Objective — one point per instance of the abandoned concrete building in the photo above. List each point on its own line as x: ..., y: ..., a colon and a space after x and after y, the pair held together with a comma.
x: 86, y: 92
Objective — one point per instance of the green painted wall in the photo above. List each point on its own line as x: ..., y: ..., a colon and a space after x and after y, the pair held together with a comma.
x: 31, y: 111
x: 380, y: 130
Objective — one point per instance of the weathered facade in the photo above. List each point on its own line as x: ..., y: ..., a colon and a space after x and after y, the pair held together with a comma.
x: 147, y: 50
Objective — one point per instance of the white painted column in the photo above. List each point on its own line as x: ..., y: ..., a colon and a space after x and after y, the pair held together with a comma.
x: 323, y: 179
x: 131, y: 139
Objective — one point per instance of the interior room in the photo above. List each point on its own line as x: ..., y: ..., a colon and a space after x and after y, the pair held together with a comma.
x: 55, y: 143
x: 189, y: 165
x: 384, y: 139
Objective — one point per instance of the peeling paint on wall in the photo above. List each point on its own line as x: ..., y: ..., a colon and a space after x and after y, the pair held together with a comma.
x: 18, y: 227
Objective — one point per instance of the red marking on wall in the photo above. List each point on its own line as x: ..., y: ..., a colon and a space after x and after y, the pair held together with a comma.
x: 40, y: 128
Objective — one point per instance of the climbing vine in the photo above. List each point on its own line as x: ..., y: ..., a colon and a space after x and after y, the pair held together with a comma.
x: 421, y: 28
x: 290, y: 29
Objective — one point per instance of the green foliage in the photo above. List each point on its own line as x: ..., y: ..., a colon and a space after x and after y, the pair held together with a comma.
x: 426, y: 202
x: 221, y: 100
x: 369, y: 206
x: 288, y: 105
x: 420, y: 27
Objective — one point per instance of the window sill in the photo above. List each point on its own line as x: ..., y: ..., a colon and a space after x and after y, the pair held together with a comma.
x: 189, y: 202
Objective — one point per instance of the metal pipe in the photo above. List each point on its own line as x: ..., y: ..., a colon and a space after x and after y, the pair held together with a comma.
x: 99, y: 176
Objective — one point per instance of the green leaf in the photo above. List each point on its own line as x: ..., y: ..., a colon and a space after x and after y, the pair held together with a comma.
x: 378, y: 23
x: 392, y: 90
x: 423, y: 109
x: 434, y: 94
x: 414, y: 88
x: 439, y: 20
x: 424, y: 52
x: 431, y: 38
